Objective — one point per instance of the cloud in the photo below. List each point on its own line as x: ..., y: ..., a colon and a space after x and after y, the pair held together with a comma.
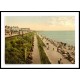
x: 42, y: 22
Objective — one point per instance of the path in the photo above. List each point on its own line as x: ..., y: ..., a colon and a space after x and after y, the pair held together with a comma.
x: 53, y: 55
x: 35, y: 54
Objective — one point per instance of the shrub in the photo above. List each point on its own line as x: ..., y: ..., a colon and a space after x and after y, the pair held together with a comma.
x: 15, y: 48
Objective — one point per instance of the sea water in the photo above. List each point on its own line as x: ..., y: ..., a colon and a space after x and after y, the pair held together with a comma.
x: 61, y: 36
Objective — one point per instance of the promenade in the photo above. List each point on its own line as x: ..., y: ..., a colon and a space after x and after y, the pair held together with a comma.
x: 53, y: 55
x: 35, y: 53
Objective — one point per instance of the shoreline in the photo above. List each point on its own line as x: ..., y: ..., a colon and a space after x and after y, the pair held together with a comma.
x: 62, y: 36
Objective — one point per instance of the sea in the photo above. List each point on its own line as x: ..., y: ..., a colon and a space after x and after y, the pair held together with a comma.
x: 60, y: 36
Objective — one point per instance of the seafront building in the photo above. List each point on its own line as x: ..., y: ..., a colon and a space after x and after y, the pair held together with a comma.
x: 15, y: 30
x: 25, y: 29
x: 7, y: 30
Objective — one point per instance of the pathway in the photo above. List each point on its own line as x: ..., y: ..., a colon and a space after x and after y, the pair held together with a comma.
x: 35, y: 53
x: 53, y: 55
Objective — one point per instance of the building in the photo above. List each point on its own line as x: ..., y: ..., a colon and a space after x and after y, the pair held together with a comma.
x: 7, y: 30
x: 25, y: 30
x: 15, y: 28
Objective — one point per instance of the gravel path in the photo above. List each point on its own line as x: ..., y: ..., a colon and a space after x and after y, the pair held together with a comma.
x: 35, y: 54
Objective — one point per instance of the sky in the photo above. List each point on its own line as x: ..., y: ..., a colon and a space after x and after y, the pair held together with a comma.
x: 47, y: 23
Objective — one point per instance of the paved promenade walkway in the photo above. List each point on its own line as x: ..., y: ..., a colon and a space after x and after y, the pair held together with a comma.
x: 53, y: 55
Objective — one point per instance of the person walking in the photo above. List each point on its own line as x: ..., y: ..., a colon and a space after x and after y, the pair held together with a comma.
x: 60, y: 61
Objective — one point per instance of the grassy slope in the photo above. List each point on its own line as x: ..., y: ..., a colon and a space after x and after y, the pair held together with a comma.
x: 44, y: 58
x: 15, y: 48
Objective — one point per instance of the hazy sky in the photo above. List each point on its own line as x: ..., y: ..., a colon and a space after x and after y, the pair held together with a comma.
x: 42, y: 22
